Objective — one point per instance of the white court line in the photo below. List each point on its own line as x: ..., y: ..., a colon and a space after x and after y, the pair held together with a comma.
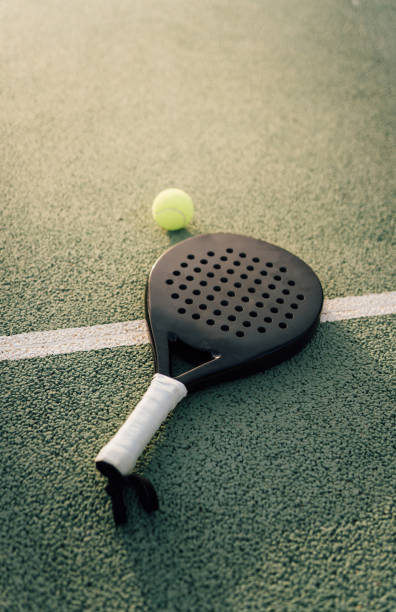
x: 72, y: 340
x: 129, y: 333
x: 353, y: 307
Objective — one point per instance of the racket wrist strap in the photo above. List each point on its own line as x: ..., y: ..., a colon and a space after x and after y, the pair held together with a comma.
x: 124, y: 449
x: 117, y: 485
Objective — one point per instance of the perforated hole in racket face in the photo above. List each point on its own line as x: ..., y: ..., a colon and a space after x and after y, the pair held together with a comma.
x: 244, y: 301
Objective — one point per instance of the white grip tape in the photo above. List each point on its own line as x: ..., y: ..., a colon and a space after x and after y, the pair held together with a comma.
x: 124, y: 449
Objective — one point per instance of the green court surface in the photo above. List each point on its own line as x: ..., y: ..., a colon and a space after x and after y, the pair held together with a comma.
x: 276, y: 491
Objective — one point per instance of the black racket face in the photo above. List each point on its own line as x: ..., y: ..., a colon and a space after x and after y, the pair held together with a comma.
x: 247, y: 303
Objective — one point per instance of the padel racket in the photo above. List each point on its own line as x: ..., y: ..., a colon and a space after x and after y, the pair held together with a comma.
x: 239, y: 303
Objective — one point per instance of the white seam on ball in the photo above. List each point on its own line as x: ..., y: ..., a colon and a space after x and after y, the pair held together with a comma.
x: 164, y: 210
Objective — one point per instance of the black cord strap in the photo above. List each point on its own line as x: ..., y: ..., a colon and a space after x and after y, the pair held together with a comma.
x: 115, y: 488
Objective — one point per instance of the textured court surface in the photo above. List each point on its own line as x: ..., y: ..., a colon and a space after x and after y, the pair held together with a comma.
x: 276, y: 492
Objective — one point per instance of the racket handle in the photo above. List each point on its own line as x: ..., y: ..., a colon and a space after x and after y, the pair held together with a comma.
x: 124, y: 449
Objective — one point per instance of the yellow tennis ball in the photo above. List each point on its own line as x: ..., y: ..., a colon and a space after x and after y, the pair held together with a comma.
x: 173, y: 209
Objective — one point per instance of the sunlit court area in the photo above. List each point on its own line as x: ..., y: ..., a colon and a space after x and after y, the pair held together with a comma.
x: 197, y: 214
